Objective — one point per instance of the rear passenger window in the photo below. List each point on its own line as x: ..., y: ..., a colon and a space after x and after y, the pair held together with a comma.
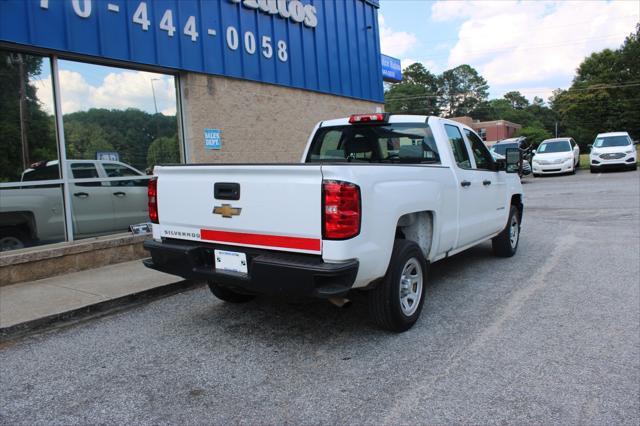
x: 457, y: 146
x: 480, y: 152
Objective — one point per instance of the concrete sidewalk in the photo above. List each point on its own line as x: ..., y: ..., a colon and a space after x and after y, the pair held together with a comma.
x: 50, y: 298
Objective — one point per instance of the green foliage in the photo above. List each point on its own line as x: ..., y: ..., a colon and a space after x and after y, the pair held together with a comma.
x: 164, y: 150
x: 415, y: 94
x: 534, y: 135
x: 605, y: 94
x: 461, y: 89
x: 516, y: 100
x: 17, y: 70
x: 129, y: 132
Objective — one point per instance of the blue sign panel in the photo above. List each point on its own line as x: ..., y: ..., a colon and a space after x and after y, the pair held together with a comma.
x: 212, y: 139
x: 329, y: 46
x: 391, y: 69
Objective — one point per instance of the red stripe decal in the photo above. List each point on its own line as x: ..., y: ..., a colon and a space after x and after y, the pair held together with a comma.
x: 310, y: 244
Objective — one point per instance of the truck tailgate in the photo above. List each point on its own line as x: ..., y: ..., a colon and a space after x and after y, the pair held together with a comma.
x: 279, y: 206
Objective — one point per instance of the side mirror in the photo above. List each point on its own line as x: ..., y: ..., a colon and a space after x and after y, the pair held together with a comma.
x: 533, y: 151
x: 513, y: 158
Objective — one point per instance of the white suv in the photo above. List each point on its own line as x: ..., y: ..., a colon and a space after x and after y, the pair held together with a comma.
x: 613, y: 150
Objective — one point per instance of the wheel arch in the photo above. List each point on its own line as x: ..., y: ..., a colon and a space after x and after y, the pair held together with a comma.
x: 418, y: 227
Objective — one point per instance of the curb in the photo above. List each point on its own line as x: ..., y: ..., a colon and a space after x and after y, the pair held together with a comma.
x: 94, y: 311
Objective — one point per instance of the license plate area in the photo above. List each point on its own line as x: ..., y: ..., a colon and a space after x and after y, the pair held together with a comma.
x: 230, y: 262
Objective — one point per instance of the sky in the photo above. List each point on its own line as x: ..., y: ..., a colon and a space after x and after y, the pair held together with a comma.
x: 84, y: 86
x: 526, y: 45
x: 530, y: 46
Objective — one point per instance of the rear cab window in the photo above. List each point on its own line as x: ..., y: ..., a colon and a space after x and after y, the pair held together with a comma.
x: 387, y: 143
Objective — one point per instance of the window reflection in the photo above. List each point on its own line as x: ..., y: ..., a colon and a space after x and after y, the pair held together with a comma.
x: 113, y: 132
x: 27, y: 128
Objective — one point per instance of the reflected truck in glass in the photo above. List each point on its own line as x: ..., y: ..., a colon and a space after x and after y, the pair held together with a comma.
x: 106, y: 197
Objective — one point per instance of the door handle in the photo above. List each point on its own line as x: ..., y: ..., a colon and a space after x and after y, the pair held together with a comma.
x: 465, y: 183
x: 486, y: 182
x: 81, y: 195
x: 119, y: 194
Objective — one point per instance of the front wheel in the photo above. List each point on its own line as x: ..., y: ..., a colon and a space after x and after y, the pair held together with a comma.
x: 505, y: 244
x: 396, y: 302
x: 229, y: 295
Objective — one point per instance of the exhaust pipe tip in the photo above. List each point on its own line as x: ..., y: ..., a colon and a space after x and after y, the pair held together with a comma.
x: 340, y: 302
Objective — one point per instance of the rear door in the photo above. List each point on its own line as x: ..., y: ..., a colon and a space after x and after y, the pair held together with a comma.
x: 272, y: 207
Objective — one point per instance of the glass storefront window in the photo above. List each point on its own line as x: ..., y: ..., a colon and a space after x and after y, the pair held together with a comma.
x: 118, y: 124
x: 29, y: 214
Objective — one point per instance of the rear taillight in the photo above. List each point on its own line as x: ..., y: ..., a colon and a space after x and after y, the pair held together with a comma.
x: 341, y: 210
x: 152, y: 192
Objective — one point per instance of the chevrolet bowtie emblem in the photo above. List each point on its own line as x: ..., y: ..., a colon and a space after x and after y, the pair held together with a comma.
x: 226, y: 210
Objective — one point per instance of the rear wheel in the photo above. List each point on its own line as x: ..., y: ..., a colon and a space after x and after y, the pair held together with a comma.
x: 396, y: 302
x: 229, y: 295
x: 12, y: 239
x: 505, y: 244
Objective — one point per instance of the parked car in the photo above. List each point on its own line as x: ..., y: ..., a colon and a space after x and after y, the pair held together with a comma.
x: 378, y: 198
x: 613, y: 150
x: 556, y: 156
x: 30, y: 215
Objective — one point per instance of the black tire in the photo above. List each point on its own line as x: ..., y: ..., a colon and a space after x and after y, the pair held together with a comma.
x: 385, y: 306
x: 12, y: 239
x: 592, y: 170
x: 578, y: 165
x: 229, y: 295
x: 574, y: 170
x: 503, y: 246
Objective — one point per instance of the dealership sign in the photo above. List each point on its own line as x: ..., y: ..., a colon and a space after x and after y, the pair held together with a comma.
x: 293, y: 9
x: 391, y: 69
x: 329, y: 46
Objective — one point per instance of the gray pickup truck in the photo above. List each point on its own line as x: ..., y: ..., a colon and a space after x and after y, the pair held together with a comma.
x: 32, y: 215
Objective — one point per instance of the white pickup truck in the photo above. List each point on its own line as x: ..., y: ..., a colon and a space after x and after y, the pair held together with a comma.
x: 377, y: 198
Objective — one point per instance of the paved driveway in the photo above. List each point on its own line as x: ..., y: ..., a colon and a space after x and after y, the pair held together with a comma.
x: 550, y: 336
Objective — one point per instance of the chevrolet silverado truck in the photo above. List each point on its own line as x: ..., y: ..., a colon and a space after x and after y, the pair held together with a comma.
x: 375, y: 200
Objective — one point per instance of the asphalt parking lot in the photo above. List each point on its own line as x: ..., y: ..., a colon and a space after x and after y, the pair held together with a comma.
x: 549, y: 336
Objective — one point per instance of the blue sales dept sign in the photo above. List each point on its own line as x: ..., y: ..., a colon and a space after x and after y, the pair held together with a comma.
x: 212, y: 139
x: 391, y: 69
x: 330, y: 46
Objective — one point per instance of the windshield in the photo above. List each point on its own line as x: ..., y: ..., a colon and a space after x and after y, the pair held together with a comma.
x: 501, y: 148
x: 611, y: 141
x: 389, y: 143
x: 560, y: 146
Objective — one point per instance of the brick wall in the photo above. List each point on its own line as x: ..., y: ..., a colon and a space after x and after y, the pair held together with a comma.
x: 260, y: 123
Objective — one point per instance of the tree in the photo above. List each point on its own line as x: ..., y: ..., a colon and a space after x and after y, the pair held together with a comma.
x: 164, y: 150
x: 415, y: 94
x: 605, y: 95
x: 534, y: 135
x: 462, y: 90
x: 27, y: 132
x: 516, y: 100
